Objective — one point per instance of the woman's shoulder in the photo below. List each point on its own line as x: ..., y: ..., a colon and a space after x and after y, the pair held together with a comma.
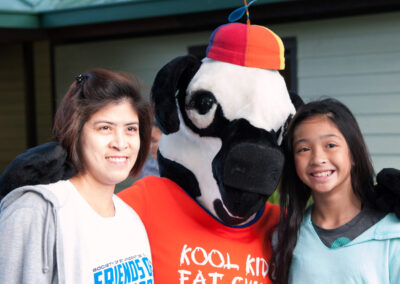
x: 27, y: 205
x: 36, y: 196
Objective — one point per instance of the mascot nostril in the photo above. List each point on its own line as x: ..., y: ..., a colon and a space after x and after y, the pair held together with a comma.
x: 254, y: 168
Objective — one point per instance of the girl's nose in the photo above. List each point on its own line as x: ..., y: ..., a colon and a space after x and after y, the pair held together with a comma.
x: 319, y: 157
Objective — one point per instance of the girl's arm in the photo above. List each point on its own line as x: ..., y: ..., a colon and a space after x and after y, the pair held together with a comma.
x: 27, y: 241
x: 394, y: 261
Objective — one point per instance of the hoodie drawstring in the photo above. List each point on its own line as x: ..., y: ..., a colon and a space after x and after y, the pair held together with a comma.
x: 45, y: 237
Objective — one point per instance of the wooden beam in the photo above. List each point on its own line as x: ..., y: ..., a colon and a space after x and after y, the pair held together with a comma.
x: 30, y: 101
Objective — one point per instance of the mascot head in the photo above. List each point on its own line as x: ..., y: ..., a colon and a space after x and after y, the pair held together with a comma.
x: 223, y: 119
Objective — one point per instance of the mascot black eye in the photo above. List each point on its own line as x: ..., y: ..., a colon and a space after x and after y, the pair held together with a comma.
x: 202, y: 101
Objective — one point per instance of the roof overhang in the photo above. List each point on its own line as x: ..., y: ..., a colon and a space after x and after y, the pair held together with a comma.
x: 31, y: 16
x: 129, y: 18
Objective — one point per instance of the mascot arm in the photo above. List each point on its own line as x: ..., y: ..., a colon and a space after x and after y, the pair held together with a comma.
x: 43, y: 164
x: 387, y: 190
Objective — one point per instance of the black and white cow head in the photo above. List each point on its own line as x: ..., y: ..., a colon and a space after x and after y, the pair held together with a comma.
x: 222, y: 125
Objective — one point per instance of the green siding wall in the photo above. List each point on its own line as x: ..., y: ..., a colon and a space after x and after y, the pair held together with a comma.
x: 140, y: 56
x: 356, y: 60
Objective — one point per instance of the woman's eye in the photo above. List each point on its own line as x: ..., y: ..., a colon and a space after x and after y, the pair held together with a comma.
x: 132, y: 129
x: 331, y: 145
x: 104, y: 127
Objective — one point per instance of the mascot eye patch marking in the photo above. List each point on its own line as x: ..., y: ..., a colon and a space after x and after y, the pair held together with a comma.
x: 202, y: 101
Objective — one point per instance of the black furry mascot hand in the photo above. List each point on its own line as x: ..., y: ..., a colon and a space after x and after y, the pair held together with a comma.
x: 43, y: 164
x: 387, y: 190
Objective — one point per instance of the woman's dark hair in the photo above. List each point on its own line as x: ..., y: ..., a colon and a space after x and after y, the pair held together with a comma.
x: 90, y: 92
x: 294, y: 194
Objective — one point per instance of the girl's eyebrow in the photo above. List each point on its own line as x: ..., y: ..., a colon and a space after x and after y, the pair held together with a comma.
x: 330, y: 136
x: 321, y: 137
x: 299, y: 141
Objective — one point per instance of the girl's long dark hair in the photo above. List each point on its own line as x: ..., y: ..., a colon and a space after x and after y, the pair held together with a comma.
x: 294, y: 194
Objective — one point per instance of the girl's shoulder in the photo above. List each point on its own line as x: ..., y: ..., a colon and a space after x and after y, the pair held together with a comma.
x: 388, y: 228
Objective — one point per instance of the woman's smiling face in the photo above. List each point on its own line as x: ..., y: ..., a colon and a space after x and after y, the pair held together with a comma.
x: 110, y: 143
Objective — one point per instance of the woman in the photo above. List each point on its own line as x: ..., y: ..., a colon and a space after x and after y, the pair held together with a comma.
x: 77, y: 230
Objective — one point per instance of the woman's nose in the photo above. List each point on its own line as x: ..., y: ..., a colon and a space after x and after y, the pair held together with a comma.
x: 119, y: 141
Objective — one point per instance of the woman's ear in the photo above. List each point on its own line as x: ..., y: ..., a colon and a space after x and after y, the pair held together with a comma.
x: 174, y: 77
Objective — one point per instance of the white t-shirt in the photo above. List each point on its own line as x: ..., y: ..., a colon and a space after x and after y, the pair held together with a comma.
x: 101, y: 250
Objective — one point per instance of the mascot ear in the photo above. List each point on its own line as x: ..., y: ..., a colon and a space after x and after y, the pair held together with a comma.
x: 42, y: 164
x: 173, y: 77
x: 296, y: 100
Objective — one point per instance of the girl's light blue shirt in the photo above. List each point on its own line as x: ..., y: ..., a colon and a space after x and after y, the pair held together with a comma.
x: 371, y: 258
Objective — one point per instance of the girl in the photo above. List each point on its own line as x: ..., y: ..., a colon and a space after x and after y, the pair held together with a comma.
x: 77, y: 230
x: 341, y: 238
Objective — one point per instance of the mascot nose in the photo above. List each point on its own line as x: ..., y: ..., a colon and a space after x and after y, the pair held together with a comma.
x: 253, y: 167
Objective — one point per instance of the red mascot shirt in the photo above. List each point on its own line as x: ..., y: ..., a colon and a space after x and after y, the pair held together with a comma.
x: 189, y: 246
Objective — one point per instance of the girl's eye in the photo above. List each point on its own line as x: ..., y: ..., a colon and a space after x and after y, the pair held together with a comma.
x: 105, y: 128
x: 331, y: 145
x: 302, y: 149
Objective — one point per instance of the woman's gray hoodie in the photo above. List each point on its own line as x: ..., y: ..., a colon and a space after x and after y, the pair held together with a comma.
x: 30, y: 238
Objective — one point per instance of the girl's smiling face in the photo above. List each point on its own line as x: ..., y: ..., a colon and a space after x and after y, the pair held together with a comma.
x: 322, y: 156
x: 110, y: 143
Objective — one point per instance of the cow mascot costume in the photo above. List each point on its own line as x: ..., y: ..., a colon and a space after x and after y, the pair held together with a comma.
x: 222, y: 121
x: 222, y: 118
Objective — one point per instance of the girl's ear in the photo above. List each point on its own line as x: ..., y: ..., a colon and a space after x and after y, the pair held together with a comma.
x: 173, y: 78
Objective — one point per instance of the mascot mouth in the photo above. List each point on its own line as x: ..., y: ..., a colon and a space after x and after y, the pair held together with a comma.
x: 226, y: 218
x: 238, y: 206
x: 247, y: 174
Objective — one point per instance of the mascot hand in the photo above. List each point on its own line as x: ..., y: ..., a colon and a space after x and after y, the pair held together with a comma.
x: 42, y: 164
x: 387, y: 190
